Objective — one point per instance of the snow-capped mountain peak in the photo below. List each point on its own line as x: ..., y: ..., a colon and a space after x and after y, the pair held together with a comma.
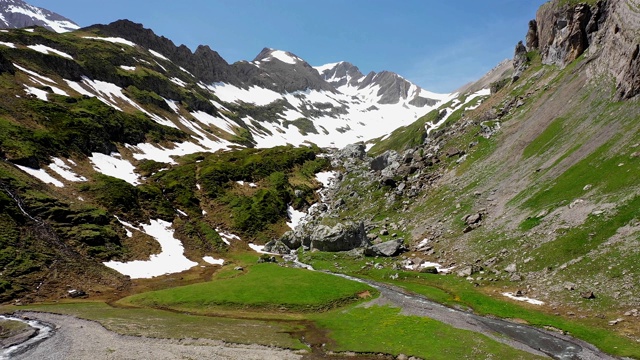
x: 384, y: 87
x: 269, y: 54
x: 19, y: 14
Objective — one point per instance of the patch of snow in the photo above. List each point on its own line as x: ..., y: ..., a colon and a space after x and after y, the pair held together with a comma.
x: 241, y: 183
x: 170, y: 260
x: 284, y: 57
x: 441, y: 270
x: 40, y: 94
x: 326, y: 177
x: 158, y: 55
x: 46, y: 50
x: 61, y: 168
x: 295, y: 217
x: 182, y: 212
x: 114, y: 165
x: 178, y: 82
x: 255, y: 95
x: 253, y: 185
x: 523, y: 298
x: 323, y: 68
x: 213, y: 261
x: 127, y: 68
x: 260, y: 249
x: 226, y: 237
x: 34, y: 12
x: 208, y: 119
x: 29, y: 30
x: 41, y: 175
x: 172, y: 104
x: 115, y: 40
x: 7, y: 44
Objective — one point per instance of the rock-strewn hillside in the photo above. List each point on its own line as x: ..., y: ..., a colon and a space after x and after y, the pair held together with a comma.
x: 535, y: 189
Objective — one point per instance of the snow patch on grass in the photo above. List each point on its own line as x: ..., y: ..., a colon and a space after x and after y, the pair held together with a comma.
x: 213, y: 261
x: 170, y: 260
x: 61, y: 168
x: 115, y: 40
x: 114, y: 165
x: 48, y: 50
x: 41, y: 175
x: 523, y: 298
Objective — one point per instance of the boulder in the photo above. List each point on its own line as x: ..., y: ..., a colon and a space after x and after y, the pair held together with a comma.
x: 383, y: 161
x: 469, y: 270
x: 472, y: 219
x: 352, y: 151
x: 277, y: 247
x: 588, y: 295
x: 388, y: 248
x: 342, y: 237
x: 512, y: 268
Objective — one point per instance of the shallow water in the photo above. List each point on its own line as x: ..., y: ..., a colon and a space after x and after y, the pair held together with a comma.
x: 44, y: 331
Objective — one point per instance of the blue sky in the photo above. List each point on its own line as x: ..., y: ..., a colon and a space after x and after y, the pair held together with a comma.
x: 438, y: 44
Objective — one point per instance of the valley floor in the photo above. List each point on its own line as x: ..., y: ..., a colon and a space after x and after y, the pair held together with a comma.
x: 82, y: 339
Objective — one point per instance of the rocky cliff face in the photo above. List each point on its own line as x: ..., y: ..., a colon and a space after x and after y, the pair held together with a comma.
x: 607, y: 30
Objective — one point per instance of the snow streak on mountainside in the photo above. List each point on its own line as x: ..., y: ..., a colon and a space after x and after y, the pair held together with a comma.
x: 19, y: 14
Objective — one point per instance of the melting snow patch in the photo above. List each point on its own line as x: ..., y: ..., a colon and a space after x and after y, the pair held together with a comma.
x: 41, y: 175
x: 182, y: 213
x: 441, y: 270
x: 226, y: 237
x: 59, y: 167
x: 114, y: 165
x: 158, y: 55
x: 40, y: 94
x: 523, y: 298
x: 46, y: 50
x: 11, y: 45
x: 115, y: 40
x: 260, y: 249
x: 256, y: 95
x: 170, y: 260
x: 178, y: 82
x: 284, y: 57
x: 296, y: 217
x: 326, y: 177
x: 213, y: 261
x: 128, y: 68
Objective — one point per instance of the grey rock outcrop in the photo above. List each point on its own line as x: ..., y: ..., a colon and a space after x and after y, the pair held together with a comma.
x: 387, y: 248
x: 341, y: 237
x: 606, y: 30
x: 562, y: 32
x: 520, y: 61
x: 532, y: 36
x: 385, y: 160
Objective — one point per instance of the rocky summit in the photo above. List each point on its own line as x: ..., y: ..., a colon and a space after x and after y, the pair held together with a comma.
x: 18, y: 14
x: 137, y: 173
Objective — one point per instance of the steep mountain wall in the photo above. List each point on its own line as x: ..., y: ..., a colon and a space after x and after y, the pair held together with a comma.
x: 608, y: 31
